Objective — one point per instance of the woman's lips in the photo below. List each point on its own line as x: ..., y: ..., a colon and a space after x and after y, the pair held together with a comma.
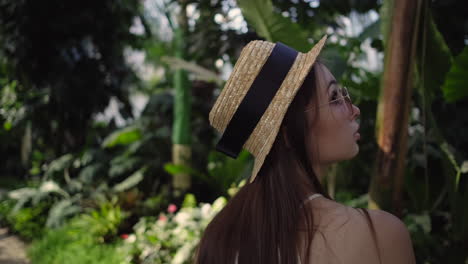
x: 357, y: 136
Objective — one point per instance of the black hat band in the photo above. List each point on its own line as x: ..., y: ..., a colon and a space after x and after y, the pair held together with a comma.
x: 257, y: 99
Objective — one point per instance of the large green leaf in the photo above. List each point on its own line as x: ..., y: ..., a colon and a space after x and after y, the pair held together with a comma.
x: 59, y: 164
x: 123, y: 136
x: 21, y: 196
x: 88, y: 173
x: 174, y: 169
x: 224, y: 171
x: 131, y: 181
x: 273, y: 26
x: 60, y: 211
x: 122, y: 164
x: 455, y: 86
x: 436, y: 60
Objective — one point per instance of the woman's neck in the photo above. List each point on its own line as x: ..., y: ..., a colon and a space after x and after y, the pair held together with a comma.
x: 320, y: 171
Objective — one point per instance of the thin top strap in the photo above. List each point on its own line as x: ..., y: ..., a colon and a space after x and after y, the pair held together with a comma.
x: 311, y: 197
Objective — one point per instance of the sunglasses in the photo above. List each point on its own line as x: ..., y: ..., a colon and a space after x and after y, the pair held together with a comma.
x: 343, y: 100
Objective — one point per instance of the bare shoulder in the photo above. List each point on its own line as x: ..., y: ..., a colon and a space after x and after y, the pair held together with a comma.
x: 348, y: 235
x: 389, y: 227
x: 393, y: 238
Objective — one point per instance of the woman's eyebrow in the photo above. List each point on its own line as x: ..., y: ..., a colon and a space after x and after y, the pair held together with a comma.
x: 330, y: 84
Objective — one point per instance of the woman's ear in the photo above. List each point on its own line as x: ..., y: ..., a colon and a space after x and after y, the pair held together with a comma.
x: 285, y: 136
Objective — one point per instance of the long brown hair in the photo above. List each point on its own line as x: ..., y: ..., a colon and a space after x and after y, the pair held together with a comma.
x: 262, y: 223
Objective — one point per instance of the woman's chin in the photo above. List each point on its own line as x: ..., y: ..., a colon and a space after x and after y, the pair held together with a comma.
x: 350, y: 156
x: 355, y: 151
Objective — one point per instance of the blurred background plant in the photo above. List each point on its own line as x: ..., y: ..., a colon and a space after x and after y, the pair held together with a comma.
x: 104, y: 113
x: 173, y: 236
x: 86, y: 238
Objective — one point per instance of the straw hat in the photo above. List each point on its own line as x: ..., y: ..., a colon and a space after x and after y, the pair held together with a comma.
x: 252, y: 104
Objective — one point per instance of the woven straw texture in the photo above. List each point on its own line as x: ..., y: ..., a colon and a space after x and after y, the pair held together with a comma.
x: 250, y: 62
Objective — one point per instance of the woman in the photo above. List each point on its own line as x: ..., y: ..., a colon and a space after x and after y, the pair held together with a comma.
x: 292, y: 115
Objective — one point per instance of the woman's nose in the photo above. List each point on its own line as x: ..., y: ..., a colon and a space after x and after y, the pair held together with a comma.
x: 356, y: 112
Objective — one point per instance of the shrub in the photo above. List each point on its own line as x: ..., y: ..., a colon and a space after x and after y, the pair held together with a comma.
x: 28, y: 222
x: 172, y: 237
x: 82, y: 239
x: 72, y: 246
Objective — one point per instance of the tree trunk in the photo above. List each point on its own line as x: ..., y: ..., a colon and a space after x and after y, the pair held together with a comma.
x: 386, y: 188
x: 181, y: 136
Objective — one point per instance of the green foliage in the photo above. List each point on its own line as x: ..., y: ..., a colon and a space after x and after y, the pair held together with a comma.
x: 455, y: 86
x: 123, y: 136
x: 458, y: 197
x: 62, y: 210
x: 429, y: 237
x: 78, y: 64
x: 222, y: 172
x: 102, y: 224
x: 59, y: 165
x: 436, y: 203
x: 435, y: 216
x: 419, y: 226
x: 433, y: 60
x: 15, y: 132
x: 333, y: 57
x: 273, y: 26
x: 172, y: 238
x: 371, y: 31
x: 82, y: 239
x: 13, y: 110
x: 6, y: 206
x: 156, y: 203
x: 189, y: 201
x: 436, y: 148
x: 28, y: 222
x: 130, y: 182
x: 350, y: 199
x: 75, y: 181
x: 35, y: 194
x: 45, y: 103
x: 73, y: 245
x: 66, y: 198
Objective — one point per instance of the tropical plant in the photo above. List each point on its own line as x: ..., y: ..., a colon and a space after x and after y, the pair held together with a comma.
x: 435, y: 139
x: 455, y: 86
x: 81, y: 240
x: 435, y: 149
x: 222, y: 172
x: 103, y: 223
x: 273, y: 26
x: 68, y: 246
x: 68, y: 196
x: 28, y: 222
x: 172, y: 237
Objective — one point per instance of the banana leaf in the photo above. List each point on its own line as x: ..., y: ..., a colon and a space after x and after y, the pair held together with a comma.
x: 273, y: 26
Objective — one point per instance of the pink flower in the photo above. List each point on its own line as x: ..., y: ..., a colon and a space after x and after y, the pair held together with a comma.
x: 172, y: 208
x: 162, y: 218
x: 124, y: 236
